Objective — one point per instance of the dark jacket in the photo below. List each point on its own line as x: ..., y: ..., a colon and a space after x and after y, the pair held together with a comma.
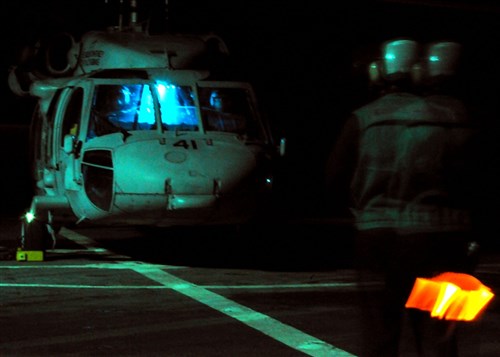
x: 407, y: 162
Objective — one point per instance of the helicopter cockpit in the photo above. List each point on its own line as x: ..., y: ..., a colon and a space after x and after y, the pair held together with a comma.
x: 140, y: 129
x: 131, y: 107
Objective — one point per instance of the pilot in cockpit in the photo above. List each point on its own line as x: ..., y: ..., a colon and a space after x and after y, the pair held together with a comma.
x: 222, y: 114
x: 113, y: 110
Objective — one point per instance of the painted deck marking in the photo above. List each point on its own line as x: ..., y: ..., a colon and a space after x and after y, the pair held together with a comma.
x: 273, y: 328
x: 210, y: 287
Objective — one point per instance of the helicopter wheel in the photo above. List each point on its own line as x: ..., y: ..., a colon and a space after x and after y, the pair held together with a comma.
x: 35, y: 235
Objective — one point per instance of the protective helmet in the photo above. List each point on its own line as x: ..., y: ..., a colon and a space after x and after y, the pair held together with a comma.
x: 113, y: 99
x: 398, y: 58
x: 123, y: 97
x: 217, y: 100
x: 442, y: 58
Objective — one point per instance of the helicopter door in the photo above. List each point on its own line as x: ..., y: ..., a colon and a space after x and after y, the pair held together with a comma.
x: 66, y: 138
x: 39, y: 141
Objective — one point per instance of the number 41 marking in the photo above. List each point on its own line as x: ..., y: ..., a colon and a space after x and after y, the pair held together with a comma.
x: 185, y: 144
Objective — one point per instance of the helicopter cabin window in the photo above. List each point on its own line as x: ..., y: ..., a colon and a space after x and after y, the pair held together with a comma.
x: 121, y: 107
x: 177, y: 106
x: 72, y: 115
x: 227, y: 110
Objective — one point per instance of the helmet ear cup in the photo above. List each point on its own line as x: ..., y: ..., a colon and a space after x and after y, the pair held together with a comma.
x: 418, y: 74
x: 374, y: 72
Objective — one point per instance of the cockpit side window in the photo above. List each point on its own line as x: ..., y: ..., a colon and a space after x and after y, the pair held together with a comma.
x: 228, y: 110
x: 72, y: 115
x: 121, y: 107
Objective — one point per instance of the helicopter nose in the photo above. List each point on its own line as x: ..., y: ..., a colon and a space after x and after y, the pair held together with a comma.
x: 148, y: 175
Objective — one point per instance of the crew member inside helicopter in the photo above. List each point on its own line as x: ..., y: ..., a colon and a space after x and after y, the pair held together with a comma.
x: 116, y: 108
x: 222, y: 114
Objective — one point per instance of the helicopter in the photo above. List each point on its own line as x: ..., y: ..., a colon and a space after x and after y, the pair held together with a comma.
x: 132, y: 128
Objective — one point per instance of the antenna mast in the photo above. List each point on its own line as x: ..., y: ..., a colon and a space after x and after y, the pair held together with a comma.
x: 133, y: 13
x: 166, y: 15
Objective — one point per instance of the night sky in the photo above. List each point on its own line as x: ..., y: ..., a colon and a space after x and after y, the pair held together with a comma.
x: 306, y: 59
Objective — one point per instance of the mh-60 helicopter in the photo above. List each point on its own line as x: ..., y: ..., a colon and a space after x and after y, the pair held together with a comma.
x: 133, y: 129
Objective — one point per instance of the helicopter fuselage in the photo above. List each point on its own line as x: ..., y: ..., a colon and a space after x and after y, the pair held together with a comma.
x: 163, y: 161
x: 130, y: 133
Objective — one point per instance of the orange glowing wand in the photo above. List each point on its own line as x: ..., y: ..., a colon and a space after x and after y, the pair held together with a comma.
x: 450, y: 296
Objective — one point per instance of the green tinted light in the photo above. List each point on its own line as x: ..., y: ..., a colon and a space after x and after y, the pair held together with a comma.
x: 390, y: 57
x: 29, y: 217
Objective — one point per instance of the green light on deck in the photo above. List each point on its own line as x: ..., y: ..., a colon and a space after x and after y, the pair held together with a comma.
x: 29, y: 217
x: 434, y: 58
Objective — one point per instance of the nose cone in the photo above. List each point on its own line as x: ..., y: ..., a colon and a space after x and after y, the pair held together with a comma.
x: 147, y: 167
x: 139, y: 168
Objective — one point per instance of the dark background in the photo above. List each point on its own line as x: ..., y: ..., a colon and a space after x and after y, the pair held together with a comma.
x: 306, y: 59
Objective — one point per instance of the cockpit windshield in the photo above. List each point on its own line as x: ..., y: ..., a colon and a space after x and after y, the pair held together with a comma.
x: 121, y: 107
x: 131, y: 107
x: 177, y: 106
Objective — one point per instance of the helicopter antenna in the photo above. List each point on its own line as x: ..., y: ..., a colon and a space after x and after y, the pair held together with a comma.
x: 166, y: 15
x: 120, y: 15
x: 120, y: 12
x: 133, y: 13
x: 131, y: 16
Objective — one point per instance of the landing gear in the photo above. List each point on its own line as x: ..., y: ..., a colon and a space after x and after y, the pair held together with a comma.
x: 35, y: 235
